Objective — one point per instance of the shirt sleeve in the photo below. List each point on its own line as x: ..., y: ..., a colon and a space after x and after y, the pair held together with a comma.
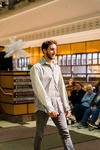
x: 63, y: 93
x: 85, y: 98
x: 39, y: 90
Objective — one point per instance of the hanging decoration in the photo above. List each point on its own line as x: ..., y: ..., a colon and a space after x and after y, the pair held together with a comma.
x: 15, y: 48
x: 20, y: 57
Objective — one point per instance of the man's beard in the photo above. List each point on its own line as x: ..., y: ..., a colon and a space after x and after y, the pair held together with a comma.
x: 50, y: 57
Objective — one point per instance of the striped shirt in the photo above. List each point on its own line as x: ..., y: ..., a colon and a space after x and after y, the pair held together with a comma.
x: 48, y: 87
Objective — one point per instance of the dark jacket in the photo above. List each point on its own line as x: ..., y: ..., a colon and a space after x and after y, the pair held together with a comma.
x: 94, y: 102
x: 76, y: 96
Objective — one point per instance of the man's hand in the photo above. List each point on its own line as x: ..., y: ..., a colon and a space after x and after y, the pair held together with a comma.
x: 68, y: 113
x: 53, y: 114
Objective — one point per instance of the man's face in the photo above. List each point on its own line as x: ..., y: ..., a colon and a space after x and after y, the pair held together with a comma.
x: 51, y: 52
x: 78, y: 87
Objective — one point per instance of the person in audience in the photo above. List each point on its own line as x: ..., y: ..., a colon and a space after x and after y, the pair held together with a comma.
x: 93, y: 111
x: 96, y: 89
x: 51, y: 98
x: 75, y: 99
x: 70, y: 86
x: 85, y: 102
x: 70, y: 82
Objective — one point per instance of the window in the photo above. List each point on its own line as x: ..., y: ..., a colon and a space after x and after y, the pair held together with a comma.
x: 84, y: 59
x: 68, y: 59
x: 85, y: 67
x: 60, y: 60
x: 89, y: 59
x: 73, y: 59
x: 78, y: 60
x: 95, y: 58
x: 64, y: 60
x: 20, y: 64
x: 99, y: 58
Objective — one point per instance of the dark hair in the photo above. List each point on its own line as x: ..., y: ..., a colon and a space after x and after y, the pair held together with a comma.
x: 46, y: 44
x: 78, y: 83
x: 97, y: 86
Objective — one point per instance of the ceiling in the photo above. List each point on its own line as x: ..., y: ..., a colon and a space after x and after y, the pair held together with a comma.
x: 46, y: 13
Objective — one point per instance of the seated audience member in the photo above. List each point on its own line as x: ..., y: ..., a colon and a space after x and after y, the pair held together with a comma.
x: 93, y: 111
x: 96, y: 89
x: 75, y: 99
x: 86, y: 100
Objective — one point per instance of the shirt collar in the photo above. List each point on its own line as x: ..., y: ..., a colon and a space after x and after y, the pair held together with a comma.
x: 43, y: 61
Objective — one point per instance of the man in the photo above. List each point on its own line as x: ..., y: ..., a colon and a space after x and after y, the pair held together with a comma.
x: 51, y: 97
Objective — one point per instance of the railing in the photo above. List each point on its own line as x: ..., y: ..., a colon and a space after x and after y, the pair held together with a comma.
x: 13, y: 6
x: 10, y: 94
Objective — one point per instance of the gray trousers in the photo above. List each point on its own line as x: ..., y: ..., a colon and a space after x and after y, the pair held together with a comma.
x: 61, y: 124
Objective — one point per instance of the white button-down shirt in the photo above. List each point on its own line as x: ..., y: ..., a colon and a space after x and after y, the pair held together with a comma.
x: 48, y: 87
